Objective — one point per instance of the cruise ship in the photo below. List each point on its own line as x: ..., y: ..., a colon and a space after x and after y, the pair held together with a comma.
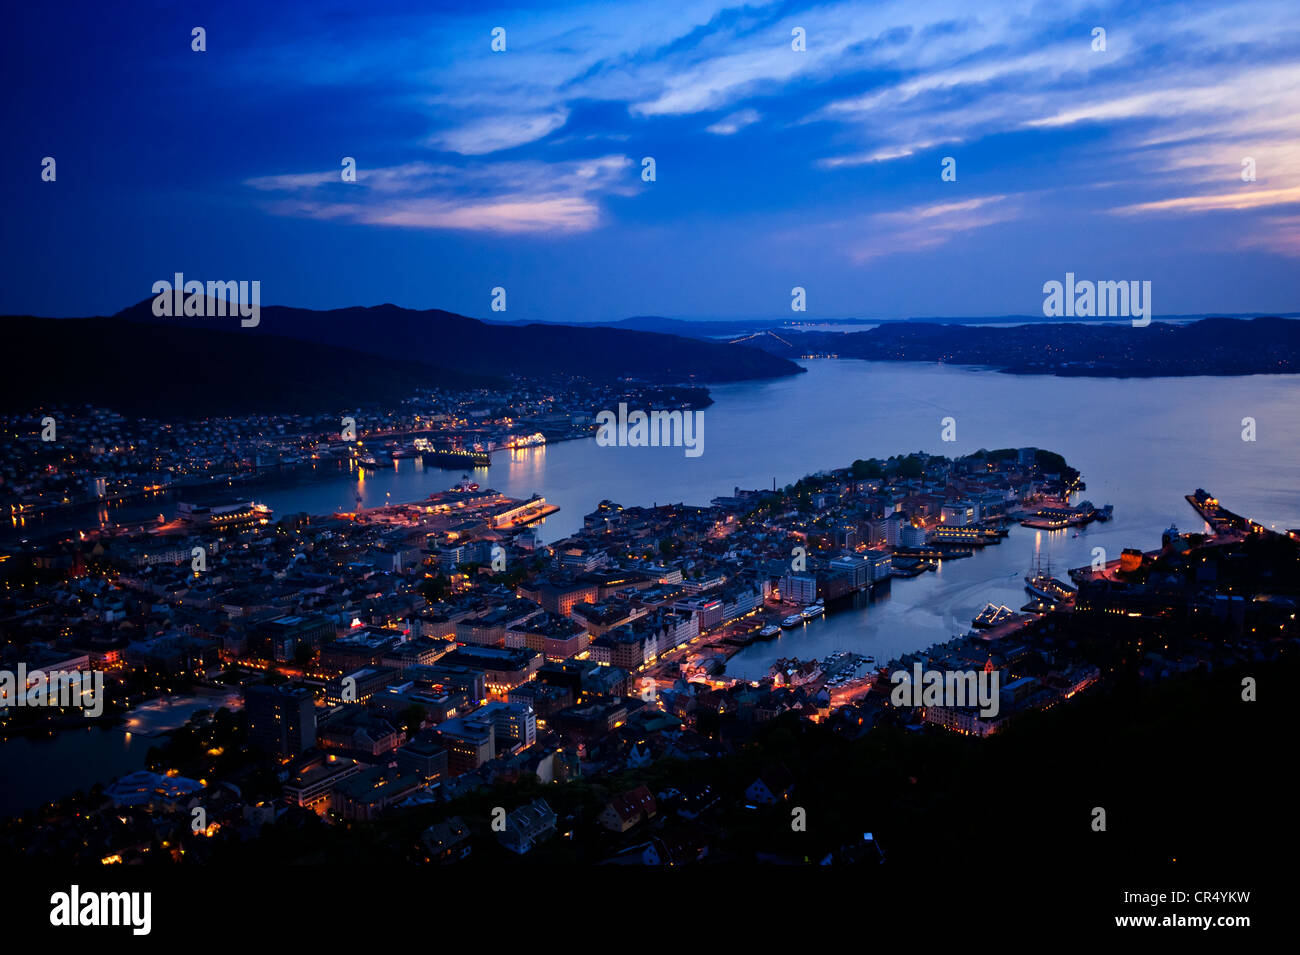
x: 813, y: 610
x: 792, y: 621
x: 768, y: 632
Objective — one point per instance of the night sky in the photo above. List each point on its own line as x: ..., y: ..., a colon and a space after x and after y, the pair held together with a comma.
x: 775, y: 167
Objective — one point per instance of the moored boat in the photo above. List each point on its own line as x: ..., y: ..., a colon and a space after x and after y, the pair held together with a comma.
x: 1040, y: 583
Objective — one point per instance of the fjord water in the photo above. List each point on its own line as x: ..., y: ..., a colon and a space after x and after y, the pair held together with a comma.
x: 1141, y: 444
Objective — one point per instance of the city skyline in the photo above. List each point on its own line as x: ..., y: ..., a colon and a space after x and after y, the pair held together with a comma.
x: 706, y: 435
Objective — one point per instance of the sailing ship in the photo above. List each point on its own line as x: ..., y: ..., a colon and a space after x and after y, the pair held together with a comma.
x: 1040, y: 583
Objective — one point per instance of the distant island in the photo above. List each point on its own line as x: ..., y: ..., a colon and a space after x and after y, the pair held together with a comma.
x: 1211, y: 346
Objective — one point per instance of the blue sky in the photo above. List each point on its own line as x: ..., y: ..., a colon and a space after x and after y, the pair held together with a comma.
x: 775, y: 167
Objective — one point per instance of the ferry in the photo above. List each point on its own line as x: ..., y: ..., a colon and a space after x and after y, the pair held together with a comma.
x: 792, y: 621
x: 452, y: 458
x: 768, y: 632
x: 813, y: 610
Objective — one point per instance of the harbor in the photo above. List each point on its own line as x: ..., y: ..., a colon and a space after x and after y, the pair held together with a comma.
x: 1057, y: 516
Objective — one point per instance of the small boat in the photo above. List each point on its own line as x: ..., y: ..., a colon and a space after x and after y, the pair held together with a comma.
x: 792, y: 621
x: 813, y: 610
x: 770, y: 631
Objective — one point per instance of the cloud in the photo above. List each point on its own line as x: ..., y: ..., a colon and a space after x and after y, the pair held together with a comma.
x: 1163, y: 115
x: 734, y: 123
x: 917, y: 228
x: 1281, y: 237
x: 495, y: 133
x: 1245, y: 198
x: 503, y: 197
x: 925, y: 227
x: 884, y: 154
x: 508, y: 215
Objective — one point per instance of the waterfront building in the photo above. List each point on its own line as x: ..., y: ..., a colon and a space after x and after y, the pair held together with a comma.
x: 224, y: 518
x: 912, y: 536
x: 893, y: 529
x: 798, y: 588
x: 882, y: 564
x: 960, y: 513
x: 856, y: 567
